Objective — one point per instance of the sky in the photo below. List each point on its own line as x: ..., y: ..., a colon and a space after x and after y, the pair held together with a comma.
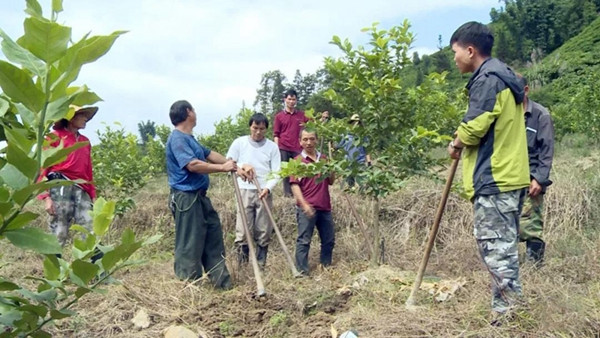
x: 213, y: 53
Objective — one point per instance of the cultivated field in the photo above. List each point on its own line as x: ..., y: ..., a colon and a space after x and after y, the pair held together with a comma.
x: 562, y: 297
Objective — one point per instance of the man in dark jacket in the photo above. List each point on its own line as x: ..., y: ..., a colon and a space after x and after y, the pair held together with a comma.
x: 540, y: 146
x: 491, y: 138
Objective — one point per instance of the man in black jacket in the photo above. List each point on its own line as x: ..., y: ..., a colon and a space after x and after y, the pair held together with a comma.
x: 540, y: 146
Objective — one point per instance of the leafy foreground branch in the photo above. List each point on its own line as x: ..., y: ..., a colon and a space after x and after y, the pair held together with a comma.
x: 26, y: 312
x: 36, y: 92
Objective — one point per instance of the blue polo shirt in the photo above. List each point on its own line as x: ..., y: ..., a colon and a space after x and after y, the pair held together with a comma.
x: 353, y: 152
x: 181, y: 149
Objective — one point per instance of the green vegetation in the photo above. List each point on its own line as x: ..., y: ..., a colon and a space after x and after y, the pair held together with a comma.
x: 408, y: 103
x: 34, y: 97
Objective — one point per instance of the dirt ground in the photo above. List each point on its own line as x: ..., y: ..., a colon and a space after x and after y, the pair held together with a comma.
x: 561, y: 299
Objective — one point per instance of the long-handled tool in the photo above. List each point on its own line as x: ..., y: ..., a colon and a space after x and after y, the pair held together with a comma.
x: 260, y: 287
x: 288, y: 256
x: 432, y: 234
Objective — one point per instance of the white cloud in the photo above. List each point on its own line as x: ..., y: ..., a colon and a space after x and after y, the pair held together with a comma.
x: 213, y: 53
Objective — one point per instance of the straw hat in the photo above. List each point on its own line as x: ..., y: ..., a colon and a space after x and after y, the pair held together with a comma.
x: 89, y: 112
x: 355, y: 118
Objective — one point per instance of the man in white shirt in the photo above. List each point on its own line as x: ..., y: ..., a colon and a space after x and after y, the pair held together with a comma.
x: 255, y: 156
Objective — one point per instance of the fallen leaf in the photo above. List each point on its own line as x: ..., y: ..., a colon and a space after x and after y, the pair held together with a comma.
x: 180, y: 332
x: 141, y: 320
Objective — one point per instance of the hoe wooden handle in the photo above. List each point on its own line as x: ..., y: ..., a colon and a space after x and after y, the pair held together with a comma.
x: 288, y: 256
x: 432, y: 234
x: 260, y: 287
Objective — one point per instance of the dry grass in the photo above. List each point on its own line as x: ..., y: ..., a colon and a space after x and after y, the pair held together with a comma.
x: 563, y: 297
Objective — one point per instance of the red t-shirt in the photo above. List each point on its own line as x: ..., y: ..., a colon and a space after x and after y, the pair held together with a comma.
x: 78, y: 164
x: 287, y: 127
x: 315, y: 194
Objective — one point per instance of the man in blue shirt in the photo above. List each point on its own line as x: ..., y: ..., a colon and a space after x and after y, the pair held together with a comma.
x: 198, y: 234
x: 353, y: 152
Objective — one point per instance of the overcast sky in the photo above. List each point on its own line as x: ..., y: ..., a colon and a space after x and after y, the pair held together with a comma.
x: 213, y: 53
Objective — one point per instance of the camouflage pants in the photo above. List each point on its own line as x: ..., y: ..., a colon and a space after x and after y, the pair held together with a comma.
x: 532, y: 222
x: 72, y: 205
x: 496, y: 232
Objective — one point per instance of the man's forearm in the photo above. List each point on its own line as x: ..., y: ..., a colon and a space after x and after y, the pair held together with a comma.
x: 298, y: 195
x: 215, y: 157
x: 201, y: 167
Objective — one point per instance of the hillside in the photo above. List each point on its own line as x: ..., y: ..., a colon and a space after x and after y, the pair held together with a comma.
x: 568, y: 83
x: 559, y: 75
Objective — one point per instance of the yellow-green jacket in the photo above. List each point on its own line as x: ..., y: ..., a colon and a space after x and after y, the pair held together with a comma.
x: 493, y: 131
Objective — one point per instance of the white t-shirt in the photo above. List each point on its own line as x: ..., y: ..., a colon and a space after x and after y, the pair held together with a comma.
x: 263, y: 156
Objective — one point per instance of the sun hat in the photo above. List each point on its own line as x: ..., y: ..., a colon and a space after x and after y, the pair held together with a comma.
x: 89, y: 112
x: 355, y: 118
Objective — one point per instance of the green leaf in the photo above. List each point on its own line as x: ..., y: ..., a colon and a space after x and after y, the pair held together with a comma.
x: 84, y: 51
x: 27, y: 116
x: 103, y: 214
x: 34, y: 239
x: 45, y: 39
x: 86, y: 245
x: 128, y: 237
x: 24, y: 195
x: 28, y: 322
x: 110, y: 259
x: 85, y: 98
x: 61, y: 314
x: 44, y: 296
x: 51, y: 267
x: 27, y: 165
x: 20, y: 137
x: 34, y: 9
x: 54, y: 155
x: 81, y: 291
x: 22, y: 220
x: 4, y: 194
x: 79, y: 228
x: 13, y: 177
x: 89, y: 50
x: 8, y: 318
x: 4, y: 105
x: 8, y: 285
x: 84, y: 271
x: 57, y: 6
x: 57, y: 109
x: 152, y: 239
x: 41, y: 334
x: 19, y: 86
x: 39, y: 310
x: 17, y: 54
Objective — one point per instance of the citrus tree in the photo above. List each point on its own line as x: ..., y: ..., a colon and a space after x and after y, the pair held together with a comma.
x: 400, y: 125
x: 36, y: 81
x: 121, y: 167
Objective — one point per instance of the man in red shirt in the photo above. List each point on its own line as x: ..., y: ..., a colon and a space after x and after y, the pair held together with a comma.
x: 286, y: 128
x: 313, y: 206
x: 71, y: 204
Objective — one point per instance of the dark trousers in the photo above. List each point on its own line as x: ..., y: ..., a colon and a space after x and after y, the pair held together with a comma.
x: 306, y: 226
x: 198, y: 238
x: 287, y: 155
